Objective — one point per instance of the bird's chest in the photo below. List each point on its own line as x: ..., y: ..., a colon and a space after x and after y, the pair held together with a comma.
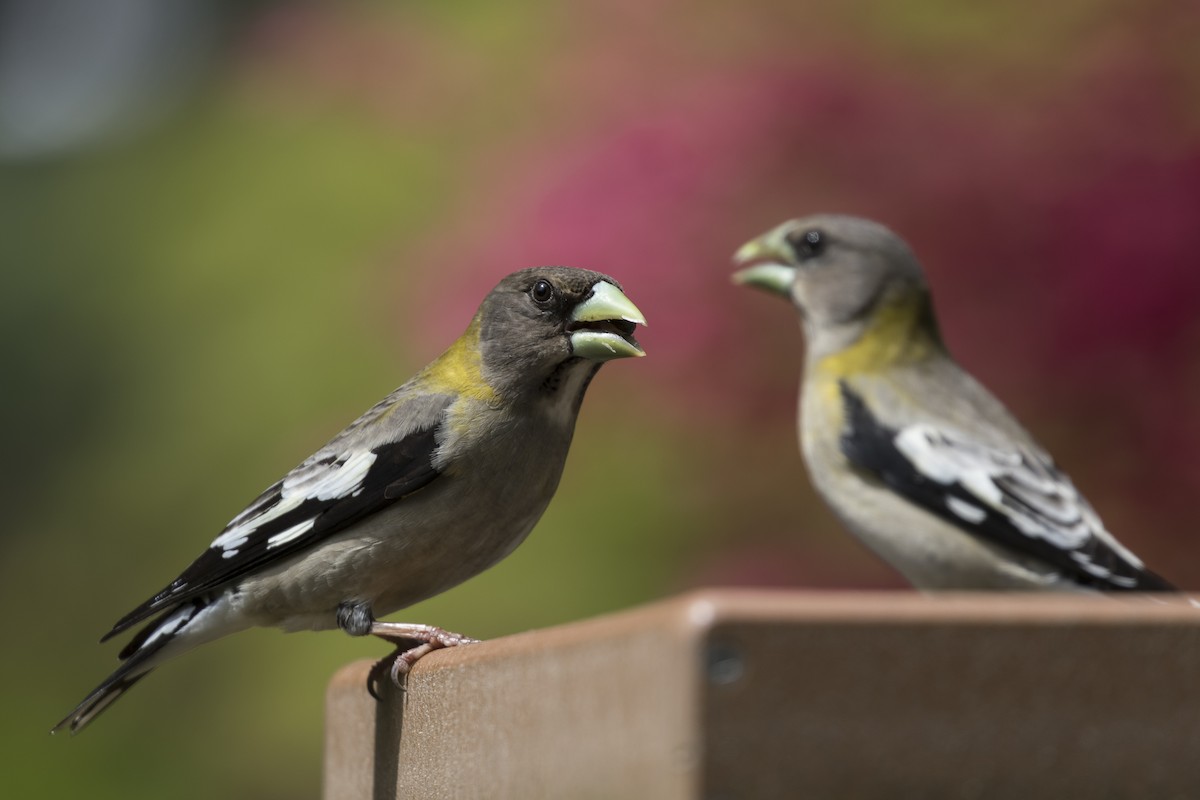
x: 821, y: 418
x: 823, y: 423
x: 491, y: 493
x: 501, y: 486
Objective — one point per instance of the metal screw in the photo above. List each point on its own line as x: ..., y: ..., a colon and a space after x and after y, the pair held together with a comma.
x: 725, y: 664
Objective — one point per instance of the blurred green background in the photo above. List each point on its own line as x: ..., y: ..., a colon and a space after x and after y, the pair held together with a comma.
x: 227, y: 229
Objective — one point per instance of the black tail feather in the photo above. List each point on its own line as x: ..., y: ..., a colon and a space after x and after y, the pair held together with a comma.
x: 144, y: 611
x: 103, y: 696
x: 139, y: 659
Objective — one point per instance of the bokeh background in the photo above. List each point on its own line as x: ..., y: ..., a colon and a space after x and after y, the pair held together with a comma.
x: 228, y: 228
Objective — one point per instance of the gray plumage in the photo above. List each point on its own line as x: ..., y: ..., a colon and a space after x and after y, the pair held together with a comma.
x: 431, y: 486
x: 918, y: 460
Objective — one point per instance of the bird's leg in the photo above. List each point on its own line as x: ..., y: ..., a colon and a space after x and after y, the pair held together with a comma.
x: 427, y: 637
x: 412, y: 641
x: 355, y: 618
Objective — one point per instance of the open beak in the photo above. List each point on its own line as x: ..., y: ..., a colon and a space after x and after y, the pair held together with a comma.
x: 764, y: 263
x: 602, y: 326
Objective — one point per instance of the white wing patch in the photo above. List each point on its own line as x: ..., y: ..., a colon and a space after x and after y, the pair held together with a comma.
x: 968, y: 511
x: 342, y: 478
x: 291, y: 533
x: 1024, y: 488
x: 318, y: 478
x: 245, y: 524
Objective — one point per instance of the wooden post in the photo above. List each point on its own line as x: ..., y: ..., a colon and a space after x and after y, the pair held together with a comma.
x: 749, y: 694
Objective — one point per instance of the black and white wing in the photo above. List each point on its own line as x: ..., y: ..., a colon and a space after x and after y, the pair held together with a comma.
x: 343, y: 482
x: 1015, y: 498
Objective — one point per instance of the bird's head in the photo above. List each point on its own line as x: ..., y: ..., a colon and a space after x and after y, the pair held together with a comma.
x: 841, y: 273
x: 540, y: 325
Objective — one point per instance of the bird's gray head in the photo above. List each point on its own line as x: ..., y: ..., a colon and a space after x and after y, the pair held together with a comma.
x: 839, y: 273
x: 539, y: 324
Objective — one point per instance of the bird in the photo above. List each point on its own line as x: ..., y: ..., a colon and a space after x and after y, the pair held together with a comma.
x: 439, y: 481
x: 914, y: 456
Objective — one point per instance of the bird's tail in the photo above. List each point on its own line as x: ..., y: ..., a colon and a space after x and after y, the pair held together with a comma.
x: 103, y: 696
x: 143, y: 653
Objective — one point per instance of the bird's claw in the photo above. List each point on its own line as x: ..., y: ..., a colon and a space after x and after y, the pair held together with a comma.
x: 412, y: 643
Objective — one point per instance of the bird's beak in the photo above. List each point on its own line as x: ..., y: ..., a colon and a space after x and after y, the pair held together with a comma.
x: 764, y: 261
x: 602, y: 326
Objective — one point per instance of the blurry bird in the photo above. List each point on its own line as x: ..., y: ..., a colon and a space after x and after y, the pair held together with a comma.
x: 431, y: 486
x: 918, y: 460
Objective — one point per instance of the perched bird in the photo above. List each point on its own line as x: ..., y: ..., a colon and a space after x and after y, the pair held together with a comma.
x: 917, y: 459
x: 431, y: 486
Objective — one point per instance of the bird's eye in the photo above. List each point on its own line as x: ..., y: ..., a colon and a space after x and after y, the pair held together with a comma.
x: 807, y: 244
x: 542, y: 292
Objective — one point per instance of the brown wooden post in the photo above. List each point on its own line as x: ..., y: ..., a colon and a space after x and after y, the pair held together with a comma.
x: 747, y: 694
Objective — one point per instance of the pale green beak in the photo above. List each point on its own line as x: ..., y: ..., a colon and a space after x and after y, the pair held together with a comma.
x: 602, y: 326
x: 767, y: 256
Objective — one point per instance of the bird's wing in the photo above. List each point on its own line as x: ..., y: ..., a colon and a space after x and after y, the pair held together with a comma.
x: 1015, y: 497
x: 350, y: 478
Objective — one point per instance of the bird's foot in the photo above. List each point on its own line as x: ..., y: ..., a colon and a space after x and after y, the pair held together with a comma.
x: 412, y: 643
